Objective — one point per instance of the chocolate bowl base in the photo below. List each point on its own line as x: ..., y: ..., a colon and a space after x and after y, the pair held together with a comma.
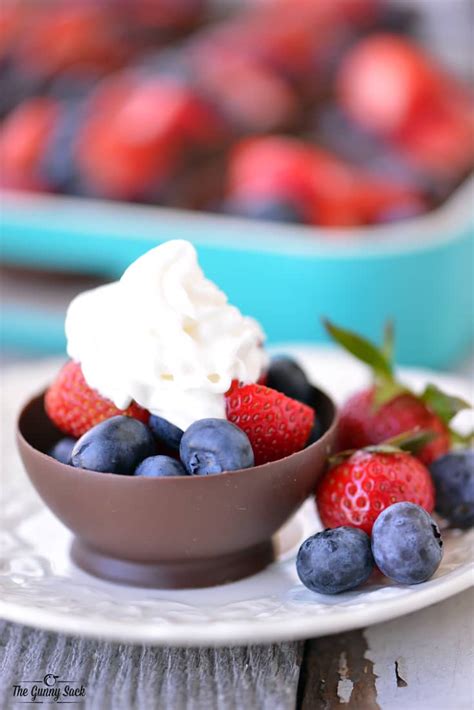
x: 182, y: 574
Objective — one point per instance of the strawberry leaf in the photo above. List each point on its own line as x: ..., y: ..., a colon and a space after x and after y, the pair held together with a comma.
x: 411, y: 441
x: 385, y: 390
x: 444, y: 405
x: 382, y: 449
x: 388, y: 348
x: 362, y: 349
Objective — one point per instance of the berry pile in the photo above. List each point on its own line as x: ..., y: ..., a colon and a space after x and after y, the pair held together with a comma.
x: 262, y: 425
x: 376, y: 497
x: 405, y: 545
x: 156, y: 103
x: 395, y: 446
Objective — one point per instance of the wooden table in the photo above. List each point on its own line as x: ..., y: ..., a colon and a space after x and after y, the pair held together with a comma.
x: 423, y: 661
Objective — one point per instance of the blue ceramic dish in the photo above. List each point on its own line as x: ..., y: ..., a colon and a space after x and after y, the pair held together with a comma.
x: 419, y: 272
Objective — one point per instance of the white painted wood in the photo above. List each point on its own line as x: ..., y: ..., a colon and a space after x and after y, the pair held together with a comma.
x: 433, y: 650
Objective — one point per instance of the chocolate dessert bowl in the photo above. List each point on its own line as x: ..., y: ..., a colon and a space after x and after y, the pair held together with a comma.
x: 179, y: 532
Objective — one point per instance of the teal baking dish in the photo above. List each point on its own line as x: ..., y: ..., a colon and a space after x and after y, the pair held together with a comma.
x: 418, y: 272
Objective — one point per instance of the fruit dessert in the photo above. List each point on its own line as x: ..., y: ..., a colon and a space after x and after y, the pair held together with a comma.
x: 289, y: 180
x: 405, y: 545
x: 166, y: 378
x: 340, y: 116
x: 399, y: 460
x: 376, y: 504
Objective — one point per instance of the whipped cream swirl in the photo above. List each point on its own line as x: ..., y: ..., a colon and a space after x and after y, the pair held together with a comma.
x: 164, y: 336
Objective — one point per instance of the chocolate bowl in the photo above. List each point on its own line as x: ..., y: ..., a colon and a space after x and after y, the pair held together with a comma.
x: 175, y: 533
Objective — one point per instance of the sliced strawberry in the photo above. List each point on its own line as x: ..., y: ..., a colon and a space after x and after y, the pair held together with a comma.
x: 75, y: 407
x: 137, y: 133
x: 276, y: 425
x: 327, y: 191
x: 441, y: 140
x: 69, y: 35
x: 264, y: 101
x: 23, y: 137
x: 385, y: 80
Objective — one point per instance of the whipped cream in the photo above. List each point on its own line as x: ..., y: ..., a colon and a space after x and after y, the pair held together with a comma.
x: 164, y: 336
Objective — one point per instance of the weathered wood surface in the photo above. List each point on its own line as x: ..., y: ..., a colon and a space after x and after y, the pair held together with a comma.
x: 336, y: 674
x: 423, y: 661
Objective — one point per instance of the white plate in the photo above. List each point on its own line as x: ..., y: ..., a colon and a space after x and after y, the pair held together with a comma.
x: 39, y: 586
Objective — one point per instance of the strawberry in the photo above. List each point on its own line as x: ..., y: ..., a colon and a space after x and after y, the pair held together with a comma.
x: 388, y: 408
x: 324, y: 189
x: 23, y: 137
x: 74, y: 35
x: 440, y: 140
x: 163, y: 16
x: 137, y: 133
x: 264, y: 101
x: 272, y: 165
x: 75, y: 407
x: 363, y: 483
x: 382, y: 61
x: 276, y: 425
x: 362, y: 423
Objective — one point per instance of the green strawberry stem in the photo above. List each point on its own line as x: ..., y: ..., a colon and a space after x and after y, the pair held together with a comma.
x: 444, y: 405
x: 410, y: 442
x: 362, y: 349
x: 380, y: 360
x: 389, y: 341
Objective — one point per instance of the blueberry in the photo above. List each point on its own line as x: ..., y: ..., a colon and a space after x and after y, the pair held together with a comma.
x: 399, y: 20
x: 453, y: 477
x: 18, y: 85
x: 58, y: 165
x: 160, y: 467
x: 273, y: 209
x: 408, y: 209
x: 213, y: 446
x: 406, y: 543
x: 286, y: 376
x: 336, y: 131
x: 116, y: 445
x: 172, y: 63
x: 335, y: 560
x: 388, y: 164
x: 62, y: 450
x: 165, y: 432
x: 73, y: 85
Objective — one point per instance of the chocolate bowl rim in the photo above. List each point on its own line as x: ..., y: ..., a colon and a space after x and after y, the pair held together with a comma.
x: 152, y: 481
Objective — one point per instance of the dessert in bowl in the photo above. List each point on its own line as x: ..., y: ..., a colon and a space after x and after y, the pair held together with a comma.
x: 209, y: 462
